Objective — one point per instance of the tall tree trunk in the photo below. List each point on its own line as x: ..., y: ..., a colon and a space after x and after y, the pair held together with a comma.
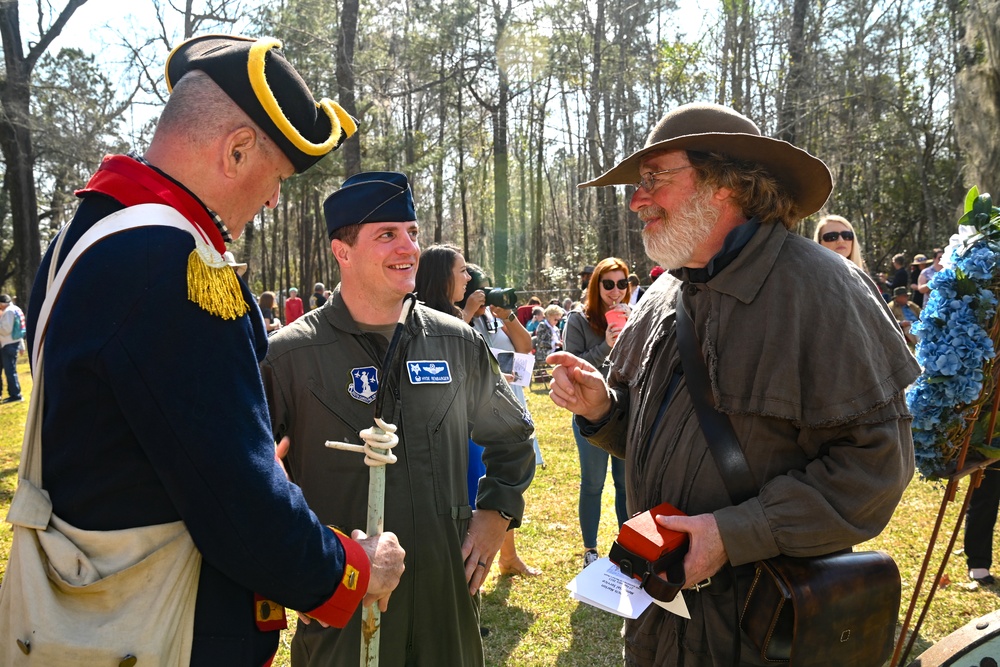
x: 537, y: 244
x: 346, y: 38
x: 442, y: 153
x: 793, y: 94
x: 462, y: 184
x: 977, y: 107
x: 15, y: 139
x: 501, y: 188
x: 594, y: 151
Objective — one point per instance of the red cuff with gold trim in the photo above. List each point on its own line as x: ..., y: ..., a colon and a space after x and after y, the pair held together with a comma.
x: 337, y: 611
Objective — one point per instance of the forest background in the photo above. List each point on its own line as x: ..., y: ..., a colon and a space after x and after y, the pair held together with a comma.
x: 497, y: 109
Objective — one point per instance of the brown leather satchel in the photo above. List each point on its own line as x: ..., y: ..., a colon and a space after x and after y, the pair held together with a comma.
x: 833, y: 610
x: 828, y: 611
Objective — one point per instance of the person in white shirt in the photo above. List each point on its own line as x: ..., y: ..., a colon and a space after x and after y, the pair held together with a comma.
x: 11, y: 324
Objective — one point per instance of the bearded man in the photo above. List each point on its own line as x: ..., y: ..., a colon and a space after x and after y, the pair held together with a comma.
x: 803, y: 357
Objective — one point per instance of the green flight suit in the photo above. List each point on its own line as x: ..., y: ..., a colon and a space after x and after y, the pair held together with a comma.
x: 320, y: 375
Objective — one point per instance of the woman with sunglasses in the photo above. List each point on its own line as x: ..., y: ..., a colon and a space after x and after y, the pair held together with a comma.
x: 837, y: 234
x: 590, y: 336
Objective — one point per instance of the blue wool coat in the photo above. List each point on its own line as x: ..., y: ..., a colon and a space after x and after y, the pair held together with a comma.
x: 154, y: 412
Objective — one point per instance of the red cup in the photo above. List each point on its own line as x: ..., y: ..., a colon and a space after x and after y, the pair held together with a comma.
x: 616, y: 318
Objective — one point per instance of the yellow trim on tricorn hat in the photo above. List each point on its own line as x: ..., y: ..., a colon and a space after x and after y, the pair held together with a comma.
x: 713, y: 128
x: 256, y: 76
x: 255, y: 70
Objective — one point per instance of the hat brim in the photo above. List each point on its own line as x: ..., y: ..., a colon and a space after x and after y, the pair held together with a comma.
x: 807, y: 178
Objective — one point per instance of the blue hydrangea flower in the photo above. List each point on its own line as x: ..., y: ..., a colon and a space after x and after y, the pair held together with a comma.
x: 953, y: 347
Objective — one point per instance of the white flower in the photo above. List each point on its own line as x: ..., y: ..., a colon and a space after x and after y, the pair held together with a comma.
x: 967, y: 235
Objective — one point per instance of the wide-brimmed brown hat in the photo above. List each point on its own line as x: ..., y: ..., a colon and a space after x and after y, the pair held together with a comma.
x: 713, y: 128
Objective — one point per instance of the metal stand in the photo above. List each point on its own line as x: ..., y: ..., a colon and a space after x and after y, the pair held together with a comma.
x: 963, y: 467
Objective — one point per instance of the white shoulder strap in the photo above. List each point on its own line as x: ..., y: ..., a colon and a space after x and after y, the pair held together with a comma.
x: 143, y: 215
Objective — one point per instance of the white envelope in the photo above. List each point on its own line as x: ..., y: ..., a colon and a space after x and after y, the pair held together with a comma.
x: 602, y: 585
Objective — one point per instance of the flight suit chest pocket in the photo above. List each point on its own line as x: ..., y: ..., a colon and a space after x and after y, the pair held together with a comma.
x: 443, y: 463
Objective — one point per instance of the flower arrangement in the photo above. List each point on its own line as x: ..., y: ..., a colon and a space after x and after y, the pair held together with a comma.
x: 959, y: 332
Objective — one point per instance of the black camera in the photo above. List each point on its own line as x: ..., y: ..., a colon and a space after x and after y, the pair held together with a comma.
x: 501, y: 297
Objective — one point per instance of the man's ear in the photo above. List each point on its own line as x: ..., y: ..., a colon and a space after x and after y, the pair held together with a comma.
x: 237, y: 147
x: 341, y: 251
x: 722, y: 194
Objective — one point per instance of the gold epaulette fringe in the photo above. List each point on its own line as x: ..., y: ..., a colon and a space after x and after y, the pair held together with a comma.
x: 212, y: 283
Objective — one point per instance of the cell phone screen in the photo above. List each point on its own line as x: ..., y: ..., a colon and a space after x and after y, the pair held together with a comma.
x: 506, y: 360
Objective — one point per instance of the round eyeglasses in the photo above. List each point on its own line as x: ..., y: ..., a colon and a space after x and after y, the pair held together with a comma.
x: 647, y: 181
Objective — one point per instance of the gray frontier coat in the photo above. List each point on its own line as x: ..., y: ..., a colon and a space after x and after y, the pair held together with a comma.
x: 313, y: 379
x: 809, y: 365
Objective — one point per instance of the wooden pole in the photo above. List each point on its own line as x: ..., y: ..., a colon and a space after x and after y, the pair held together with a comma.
x: 377, y: 457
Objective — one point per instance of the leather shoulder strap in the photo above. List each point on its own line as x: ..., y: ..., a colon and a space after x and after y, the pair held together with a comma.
x: 718, y: 430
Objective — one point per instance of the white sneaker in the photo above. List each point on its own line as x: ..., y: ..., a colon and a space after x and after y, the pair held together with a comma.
x: 589, y: 556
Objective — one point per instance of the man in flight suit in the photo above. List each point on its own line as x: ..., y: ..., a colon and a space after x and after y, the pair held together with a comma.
x: 321, y: 375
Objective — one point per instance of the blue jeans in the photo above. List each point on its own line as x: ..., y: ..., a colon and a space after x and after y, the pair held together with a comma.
x: 593, y: 472
x: 10, y: 369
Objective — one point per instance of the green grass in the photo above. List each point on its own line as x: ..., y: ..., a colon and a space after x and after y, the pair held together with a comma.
x: 533, y: 621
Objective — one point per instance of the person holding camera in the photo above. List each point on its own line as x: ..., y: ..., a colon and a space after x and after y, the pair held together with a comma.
x: 590, y: 335
x: 496, y: 321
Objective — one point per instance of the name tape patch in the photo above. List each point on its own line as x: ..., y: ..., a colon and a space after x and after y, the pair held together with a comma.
x: 428, y: 372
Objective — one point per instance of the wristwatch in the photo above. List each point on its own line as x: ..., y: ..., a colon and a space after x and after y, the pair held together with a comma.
x: 511, y: 317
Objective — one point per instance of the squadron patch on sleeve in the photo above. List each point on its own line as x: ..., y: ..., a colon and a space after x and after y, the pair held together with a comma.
x: 428, y: 372
x: 364, y: 384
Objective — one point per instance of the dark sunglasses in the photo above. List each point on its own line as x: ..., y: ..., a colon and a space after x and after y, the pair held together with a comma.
x: 609, y: 284
x: 830, y: 237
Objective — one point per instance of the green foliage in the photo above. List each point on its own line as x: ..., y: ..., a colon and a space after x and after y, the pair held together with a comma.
x: 879, y: 78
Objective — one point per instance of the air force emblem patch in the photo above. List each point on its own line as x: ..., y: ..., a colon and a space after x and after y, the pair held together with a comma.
x: 428, y: 372
x: 364, y: 384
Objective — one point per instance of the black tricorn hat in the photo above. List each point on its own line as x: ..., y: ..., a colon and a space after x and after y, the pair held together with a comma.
x: 713, y: 128
x: 256, y: 76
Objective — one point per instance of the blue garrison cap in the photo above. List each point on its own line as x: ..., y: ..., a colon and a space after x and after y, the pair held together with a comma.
x: 371, y: 196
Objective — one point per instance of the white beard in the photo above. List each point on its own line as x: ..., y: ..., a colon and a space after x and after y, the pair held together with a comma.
x: 672, y: 241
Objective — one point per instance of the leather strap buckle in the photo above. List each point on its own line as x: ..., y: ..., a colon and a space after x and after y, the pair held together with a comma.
x: 703, y: 584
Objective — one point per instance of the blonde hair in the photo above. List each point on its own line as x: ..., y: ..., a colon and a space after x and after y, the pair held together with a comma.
x: 855, y: 244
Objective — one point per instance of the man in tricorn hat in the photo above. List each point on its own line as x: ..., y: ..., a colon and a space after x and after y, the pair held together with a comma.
x: 154, y: 409
x: 321, y: 376
x: 803, y: 358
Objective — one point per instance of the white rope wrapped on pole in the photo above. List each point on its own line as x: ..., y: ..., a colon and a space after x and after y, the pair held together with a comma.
x: 379, y: 441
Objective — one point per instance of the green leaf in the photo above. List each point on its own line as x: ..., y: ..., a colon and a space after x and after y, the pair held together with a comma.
x: 970, y: 198
x: 983, y: 205
x: 989, y: 452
